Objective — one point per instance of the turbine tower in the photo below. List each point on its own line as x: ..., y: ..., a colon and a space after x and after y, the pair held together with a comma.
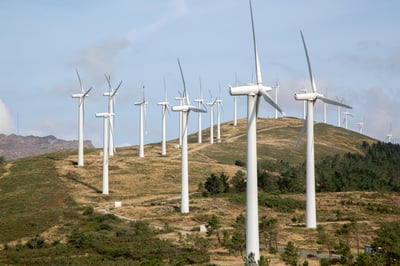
x: 234, y: 105
x: 200, y: 104
x: 389, y: 136
x: 253, y: 93
x: 106, y: 129
x: 164, y: 106
x: 111, y: 105
x: 311, y: 98
x: 219, y: 105
x: 346, y: 114
x: 361, y: 125
x: 81, y: 96
x: 326, y: 94
x: 211, y: 104
x: 276, y: 87
x: 142, y: 105
x: 185, y: 109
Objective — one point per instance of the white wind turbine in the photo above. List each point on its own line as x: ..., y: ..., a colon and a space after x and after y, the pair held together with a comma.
x: 111, y: 105
x: 276, y: 87
x: 326, y: 94
x: 234, y: 105
x: 142, y: 105
x: 200, y: 104
x: 81, y: 96
x: 164, y: 106
x: 339, y: 113
x: 346, y: 115
x: 211, y: 104
x: 361, y: 125
x: 389, y: 136
x: 311, y: 98
x: 253, y: 93
x: 219, y: 105
x: 184, y: 110
x: 106, y: 137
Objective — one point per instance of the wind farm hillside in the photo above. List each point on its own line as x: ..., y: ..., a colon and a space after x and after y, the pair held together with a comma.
x: 52, y: 211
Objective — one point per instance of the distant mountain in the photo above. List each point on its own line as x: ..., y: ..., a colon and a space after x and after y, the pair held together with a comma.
x: 14, y: 147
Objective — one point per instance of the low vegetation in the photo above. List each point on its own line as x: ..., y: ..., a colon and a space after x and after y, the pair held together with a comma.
x: 52, y: 212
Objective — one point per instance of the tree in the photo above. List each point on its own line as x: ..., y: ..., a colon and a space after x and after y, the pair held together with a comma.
x: 387, y: 242
x: 291, y: 254
x: 269, y: 229
x: 238, y: 181
x: 215, y: 185
x: 213, y: 226
x: 323, y: 239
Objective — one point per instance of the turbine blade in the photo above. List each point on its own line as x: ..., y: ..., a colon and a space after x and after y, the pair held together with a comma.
x: 309, y: 64
x: 333, y: 102
x: 197, y: 110
x: 269, y: 100
x: 301, y: 132
x: 185, y: 93
x: 108, y: 78
x: 165, y: 90
x: 80, y: 81
x: 87, y: 93
x: 257, y: 63
x: 119, y: 85
x: 258, y: 102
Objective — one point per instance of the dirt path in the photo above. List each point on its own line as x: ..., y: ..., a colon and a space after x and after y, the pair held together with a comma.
x: 7, y: 170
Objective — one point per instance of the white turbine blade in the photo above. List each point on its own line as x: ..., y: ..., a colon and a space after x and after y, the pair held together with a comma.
x: 115, y: 92
x: 197, y: 110
x: 269, y: 100
x: 80, y: 81
x: 165, y: 90
x: 108, y: 78
x: 257, y: 63
x: 258, y: 103
x: 87, y: 93
x: 309, y: 64
x: 333, y: 102
x: 301, y: 132
x: 185, y: 93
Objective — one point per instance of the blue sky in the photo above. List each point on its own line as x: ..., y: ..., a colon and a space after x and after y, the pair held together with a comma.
x: 354, y: 48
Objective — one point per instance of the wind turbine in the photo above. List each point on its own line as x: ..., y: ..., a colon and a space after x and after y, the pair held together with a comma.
x: 276, y: 87
x: 253, y: 93
x: 142, y: 105
x: 234, y: 105
x: 184, y: 110
x: 346, y: 114
x: 311, y: 98
x: 106, y: 129
x: 361, y: 125
x: 219, y: 105
x: 211, y: 104
x: 164, y: 106
x: 389, y: 136
x: 339, y: 113
x: 111, y: 105
x: 200, y: 104
x: 81, y: 96
x: 326, y: 93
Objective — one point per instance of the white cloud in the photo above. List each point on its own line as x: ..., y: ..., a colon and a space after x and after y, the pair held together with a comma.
x: 7, y: 124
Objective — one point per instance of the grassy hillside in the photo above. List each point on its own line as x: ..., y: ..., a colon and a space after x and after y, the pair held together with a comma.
x: 47, y: 196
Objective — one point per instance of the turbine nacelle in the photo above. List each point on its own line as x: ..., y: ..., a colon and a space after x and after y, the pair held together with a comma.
x: 78, y: 95
x: 310, y: 96
x: 104, y: 114
x: 244, y: 90
x: 163, y: 103
x: 140, y: 103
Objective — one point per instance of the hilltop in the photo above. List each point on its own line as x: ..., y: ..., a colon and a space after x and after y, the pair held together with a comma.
x: 51, y: 192
x: 15, y: 147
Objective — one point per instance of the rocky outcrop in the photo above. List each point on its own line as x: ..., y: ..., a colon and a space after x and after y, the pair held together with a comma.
x: 14, y: 147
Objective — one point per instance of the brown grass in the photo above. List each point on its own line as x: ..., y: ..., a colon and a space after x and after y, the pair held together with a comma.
x: 149, y: 187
